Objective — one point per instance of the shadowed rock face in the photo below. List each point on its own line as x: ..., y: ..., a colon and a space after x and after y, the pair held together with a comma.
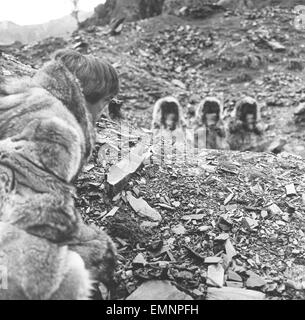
x: 131, y: 10
x: 191, y: 8
x: 9, y: 66
x: 202, y: 9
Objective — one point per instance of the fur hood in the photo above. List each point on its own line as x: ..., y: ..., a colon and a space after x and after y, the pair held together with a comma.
x: 55, y: 78
x: 61, y: 83
x: 237, y: 112
x: 201, y: 109
x: 157, y: 112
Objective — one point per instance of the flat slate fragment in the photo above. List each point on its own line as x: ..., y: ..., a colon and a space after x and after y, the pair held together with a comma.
x: 249, y: 223
x: 276, y: 146
x: 275, y: 210
x: 120, y: 173
x: 264, y: 214
x: 158, y: 290
x: 179, y: 230
x: 142, y: 208
x: 227, y: 293
x: 229, y: 198
x: 139, y: 260
x: 149, y: 224
x: 212, y: 260
x: 178, y: 83
x: 230, y: 251
x: 225, y: 223
x: 233, y: 276
x: 111, y: 213
x: 215, y: 276
x: 204, y: 228
x: 254, y: 281
x: 193, y: 217
x: 165, y: 206
x: 290, y: 190
x: 222, y: 237
x: 234, y: 284
x: 276, y: 46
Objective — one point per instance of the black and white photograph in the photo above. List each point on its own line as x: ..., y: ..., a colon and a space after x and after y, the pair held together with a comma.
x: 152, y: 150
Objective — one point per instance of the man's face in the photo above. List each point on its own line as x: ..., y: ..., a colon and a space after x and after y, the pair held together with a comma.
x: 250, y: 122
x: 170, y: 121
x: 211, y: 119
x: 96, y: 109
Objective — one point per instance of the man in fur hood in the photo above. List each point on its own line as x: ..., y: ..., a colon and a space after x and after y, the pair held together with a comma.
x: 209, y: 126
x: 245, y: 130
x: 46, y: 136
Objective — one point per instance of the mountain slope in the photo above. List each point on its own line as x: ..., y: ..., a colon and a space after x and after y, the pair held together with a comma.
x: 11, y: 32
x: 227, y: 55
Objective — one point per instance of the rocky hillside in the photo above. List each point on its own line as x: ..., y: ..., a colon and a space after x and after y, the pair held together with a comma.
x: 258, y: 52
x: 133, y: 10
x: 224, y: 218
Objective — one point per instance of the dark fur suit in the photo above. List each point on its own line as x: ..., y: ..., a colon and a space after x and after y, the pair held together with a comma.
x: 46, y: 136
x: 213, y: 138
x: 174, y: 140
x: 239, y: 137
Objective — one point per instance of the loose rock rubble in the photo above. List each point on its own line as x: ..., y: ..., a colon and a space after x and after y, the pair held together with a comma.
x: 225, y: 225
x: 248, y: 244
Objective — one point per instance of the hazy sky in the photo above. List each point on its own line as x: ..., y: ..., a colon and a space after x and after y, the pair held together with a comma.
x: 38, y: 11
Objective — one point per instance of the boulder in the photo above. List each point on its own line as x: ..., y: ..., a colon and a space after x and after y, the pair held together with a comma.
x: 191, y: 8
x: 130, y: 10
